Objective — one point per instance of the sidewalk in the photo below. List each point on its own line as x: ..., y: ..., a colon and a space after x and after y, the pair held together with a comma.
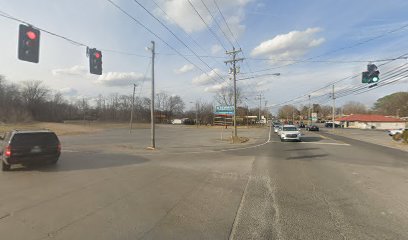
x: 379, y: 137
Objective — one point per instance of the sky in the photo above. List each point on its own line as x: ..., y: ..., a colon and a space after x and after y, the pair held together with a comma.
x: 336, y: 38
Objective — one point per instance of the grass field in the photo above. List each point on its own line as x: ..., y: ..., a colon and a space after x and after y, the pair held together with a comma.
x: 71, y: 128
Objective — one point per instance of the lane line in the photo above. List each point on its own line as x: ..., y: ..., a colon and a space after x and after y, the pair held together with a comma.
x: 322, y: 143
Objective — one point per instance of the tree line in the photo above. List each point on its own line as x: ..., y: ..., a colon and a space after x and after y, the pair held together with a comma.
x: 395, y: 104
x: 33, y: 101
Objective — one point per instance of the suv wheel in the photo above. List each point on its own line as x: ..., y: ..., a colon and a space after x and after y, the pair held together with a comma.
x: 4, y: 166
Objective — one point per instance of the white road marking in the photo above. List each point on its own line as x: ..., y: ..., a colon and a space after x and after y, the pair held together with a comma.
x: 68, y: 150
x: 323, y: 143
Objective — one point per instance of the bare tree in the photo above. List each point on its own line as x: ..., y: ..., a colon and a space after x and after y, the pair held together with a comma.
x: 353, y: 107
x: 225, y: 96
x: 288, y: 112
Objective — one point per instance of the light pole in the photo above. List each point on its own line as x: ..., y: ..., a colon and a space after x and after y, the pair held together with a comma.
x: 196, y: 113
x: 133, y: 107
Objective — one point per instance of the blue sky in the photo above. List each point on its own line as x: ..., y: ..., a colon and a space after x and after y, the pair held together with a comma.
x: 282, y: 30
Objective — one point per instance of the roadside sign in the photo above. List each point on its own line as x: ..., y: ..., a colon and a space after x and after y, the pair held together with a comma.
x: 224, y: 110
x: 314, y: 117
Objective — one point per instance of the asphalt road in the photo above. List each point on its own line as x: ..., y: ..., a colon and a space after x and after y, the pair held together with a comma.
x: 327, y: 187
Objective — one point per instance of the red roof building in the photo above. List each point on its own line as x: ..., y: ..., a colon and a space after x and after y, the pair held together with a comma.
x: 366, y: 121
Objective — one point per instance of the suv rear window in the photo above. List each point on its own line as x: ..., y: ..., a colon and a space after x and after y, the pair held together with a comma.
x: 31, y: 139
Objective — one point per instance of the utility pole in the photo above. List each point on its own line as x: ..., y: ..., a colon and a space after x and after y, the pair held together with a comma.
x: 133, y: 107
x: 260, y: 104
x: 234, y: 60
x: 308, y: 115
x: 334, y: 107
x: 152, y: 120
x: 197, y: 114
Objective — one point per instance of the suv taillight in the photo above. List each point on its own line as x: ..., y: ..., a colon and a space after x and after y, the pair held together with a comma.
x: 59, y: 147
x: 8, y: 151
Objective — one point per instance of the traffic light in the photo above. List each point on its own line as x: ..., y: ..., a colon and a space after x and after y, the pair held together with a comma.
x: 371, y: 75
x: 95, y: 61
x: 28, y: 44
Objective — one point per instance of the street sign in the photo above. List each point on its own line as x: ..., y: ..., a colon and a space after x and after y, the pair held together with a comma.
x: 225, y: 110
x: 314, y: 117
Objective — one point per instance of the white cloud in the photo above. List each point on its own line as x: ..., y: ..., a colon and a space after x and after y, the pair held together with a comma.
x: 118, y: 79
x: 68, y: 91
x: 181, y: 13
x: 73, y: 71
x: 216, y: 87
x: 215, y: 49
x: 234, y: 23
x: 184, y: 69
x: 207, y: 78
x: 291, y: 45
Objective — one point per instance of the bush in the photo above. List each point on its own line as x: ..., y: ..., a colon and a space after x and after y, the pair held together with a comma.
x: 404, y: 136
x: 397, y: 137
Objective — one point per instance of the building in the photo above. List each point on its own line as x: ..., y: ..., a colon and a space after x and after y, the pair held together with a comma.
x: 365, y: 121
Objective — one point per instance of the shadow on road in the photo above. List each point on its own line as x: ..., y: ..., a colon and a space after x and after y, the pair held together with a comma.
x: 300, y: 149
x: 311, y: 139
x: 84, y: 161
x: 307, y: 157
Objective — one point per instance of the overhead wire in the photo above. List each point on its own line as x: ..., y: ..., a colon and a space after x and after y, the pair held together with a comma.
x: 339, y: 49
x: 216, y: 22
x: 337, y: 81
x: 207, y: 26
x: 181, y: 41
x: 158, y: 37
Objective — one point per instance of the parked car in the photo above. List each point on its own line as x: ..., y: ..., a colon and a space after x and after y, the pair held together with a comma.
x: 25, y: 147
x: 302, y: 125
x: 392, y: 132
x: 330, y: 125
x: 290, y: 132
x: 313, y: 128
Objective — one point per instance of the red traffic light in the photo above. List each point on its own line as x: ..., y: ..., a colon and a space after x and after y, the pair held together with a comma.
x: 31, y: 35
x: 97, y: 55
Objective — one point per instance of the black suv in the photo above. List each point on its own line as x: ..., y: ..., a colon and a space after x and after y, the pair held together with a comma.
x: 25, y: 147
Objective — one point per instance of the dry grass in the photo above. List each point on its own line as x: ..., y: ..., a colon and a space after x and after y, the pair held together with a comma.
x: 72, y: 128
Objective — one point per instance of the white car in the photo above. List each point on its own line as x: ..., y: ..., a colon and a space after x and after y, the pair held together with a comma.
x: 276, y: 128
x: 395, y: 131
x: 290, y: 132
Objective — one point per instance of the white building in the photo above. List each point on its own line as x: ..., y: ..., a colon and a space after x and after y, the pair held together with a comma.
x: 365, y: 121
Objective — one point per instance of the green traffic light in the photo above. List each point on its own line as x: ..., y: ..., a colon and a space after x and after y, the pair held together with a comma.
x: 375, y: 79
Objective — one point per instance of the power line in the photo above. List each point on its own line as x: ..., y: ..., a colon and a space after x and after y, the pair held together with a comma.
x: 157, y: 36
x: 43, y: 30
x: 187, y: 34
x: 208, y: 27
x: 181, y: 41
x: 216, y: 22
x: 337, y: 81
x: 325, y: 61
x: 233, y: 36
x: 339, y: 49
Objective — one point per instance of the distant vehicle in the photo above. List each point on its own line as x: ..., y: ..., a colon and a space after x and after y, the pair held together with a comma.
x: 177, y: 121
x: 330, y: 125
x: 392, y: 132
x: 25, y: 147
x: 290, y: 132
x: 302, y: 125
x: 276, y: 128
x: 313, y: 128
